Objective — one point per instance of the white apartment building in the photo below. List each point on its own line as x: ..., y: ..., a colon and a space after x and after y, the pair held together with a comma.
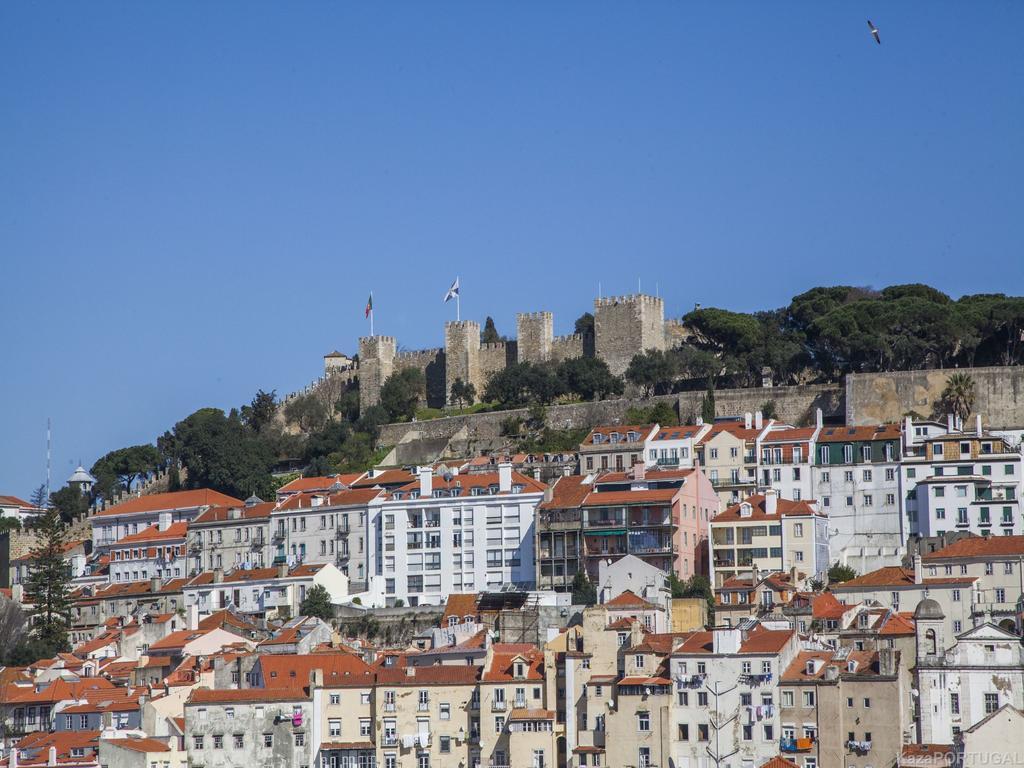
x: 134, y: 515
x: 456, y: 533
x: 325, y: 527
x: 963, y: 481
x: 769, y: 534
x: 673, y: 447
x: 961, y: 685
x: 726, y: 708
x: 785, y: 459
x: 266, y: 592
x: 156, y: 551
x: 856, y: 480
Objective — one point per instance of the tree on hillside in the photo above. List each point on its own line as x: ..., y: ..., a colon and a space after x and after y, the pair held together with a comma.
x: 583, y: 590
x: 769, y: 410
x: 38, y: 498
x: 46, y: 588
x: 120, y: 468
x: 402, y: 393
x: 489, y: 335
x: 463, y: 394
x: 661, y: 413
x: 707, y: 405
x: 839, y: 573
x: 958, y: 395
x: 589, y: 377
x: 653, y: 371
x: 260, y: 411
x: 522, y: 384
x: 221, y: 453
x: 308, y: 412
x: 70, y: 503
x: 317, y: 603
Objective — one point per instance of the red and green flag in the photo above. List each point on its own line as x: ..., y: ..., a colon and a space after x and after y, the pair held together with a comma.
x: 369, y: 305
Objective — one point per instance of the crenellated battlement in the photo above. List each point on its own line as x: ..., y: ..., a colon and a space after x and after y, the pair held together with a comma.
x: 623, y: 326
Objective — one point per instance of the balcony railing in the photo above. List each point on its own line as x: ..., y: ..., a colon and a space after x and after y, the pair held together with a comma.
x: 498, y: 706
x: 792, y: 745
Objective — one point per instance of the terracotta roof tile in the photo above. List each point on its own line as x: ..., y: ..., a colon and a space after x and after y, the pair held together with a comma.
x: 784, y: 508
x: 139, y: 744
x: 628, y: 600
x: 980, y: 546
x: 221, y: 514
x: 153, y: 533
x: 164, y: 502
x: 859, y: 434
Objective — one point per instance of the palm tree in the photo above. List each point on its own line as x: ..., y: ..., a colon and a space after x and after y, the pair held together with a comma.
x: 958, y: 396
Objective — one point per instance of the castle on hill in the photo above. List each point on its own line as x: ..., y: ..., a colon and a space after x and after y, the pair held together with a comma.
x: 623, y: 326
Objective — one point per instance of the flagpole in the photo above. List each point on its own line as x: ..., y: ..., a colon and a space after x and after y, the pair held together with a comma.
x: 458, y: 302
x: 371, y: 314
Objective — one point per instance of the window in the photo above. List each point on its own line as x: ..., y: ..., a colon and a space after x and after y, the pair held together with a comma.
x: 643, y: 722
x: 956, y: 595
x: 954, y: 703
x: 238, y: 740
x: 869, y: 500
x: 991, y: 703
x: 702, y: 698
x: 684, y: 732
x: 499, y: 724
x: 1000, y: 595
x: 197, y: 742
x: 446, y: 744
x: 867, y: 704
x: 787, y: 698
x: 335, y: 698
x: 748, y: 732
x: 446, y: 711
x: 218, y: 741
x: 300, y: 739
x: 702, y: 732
x: 334, y: 727
x: 808, y: 698
x: 268, y: 740
x: 957, y: 626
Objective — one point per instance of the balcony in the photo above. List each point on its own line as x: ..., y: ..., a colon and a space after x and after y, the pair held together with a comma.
x: 389, y: 706
x: 791, y: 745
x: 279, y: 535
x: 560, y: 520
x: 423, y: 706
x: 389, y: 740
x: 860, y: 747
x: 498, y: 706
x: 342, y: 531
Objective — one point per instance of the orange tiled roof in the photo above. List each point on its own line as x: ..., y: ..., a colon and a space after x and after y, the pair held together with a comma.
x: 164, y: 502
x: 502, y: 666
x: 619, y: 498
x: 304, y: 484
x: 387, y: 477
x: 651, y: 475
x: 784, y: 508
x: 779, y: 762
x: 340, y: 670
x: 628, y: 600
x: 568, y: 492
x: 759, y: 641
x: 153, y: 533
x: 480, y: 480
x: 980, y: 546
x: 460, y: 605
x: 347, y: 498
x: 859, y: 434
x: 220, y: 514
x: 605, y: 431
x: 247, y: 695
x: 139, y: 744
x: 793, y: 435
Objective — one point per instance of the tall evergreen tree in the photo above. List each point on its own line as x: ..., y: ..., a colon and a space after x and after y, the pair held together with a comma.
x: 707, y: 406
x: 47, y: 585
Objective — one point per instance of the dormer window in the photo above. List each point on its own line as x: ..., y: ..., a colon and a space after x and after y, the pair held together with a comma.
x: 398, y: 495
x: 520, y: 670
x: 598, y: 438
x: 851, y: 666
x: 632, y: 437
x: 614, y: 437
x: 517, y: 488
x: 439, y: 493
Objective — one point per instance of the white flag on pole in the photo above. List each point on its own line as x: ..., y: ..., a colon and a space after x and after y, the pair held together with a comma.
x: 453, y: 292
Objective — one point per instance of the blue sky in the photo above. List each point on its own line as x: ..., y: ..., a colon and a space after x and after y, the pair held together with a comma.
x: 196, y: 198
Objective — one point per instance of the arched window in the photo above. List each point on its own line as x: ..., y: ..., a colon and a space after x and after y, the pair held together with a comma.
x: 929, y: 642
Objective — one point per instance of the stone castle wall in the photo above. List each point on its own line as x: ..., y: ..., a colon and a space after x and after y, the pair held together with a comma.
x: 535, y: 332
x: 376, y: 363
x: 431, y: 362
x: 495, y: 357
x: 567, y: 348
x: 794, y: 404
x: 462, y: 354
x: 873, y: 398
x: 626, y: 325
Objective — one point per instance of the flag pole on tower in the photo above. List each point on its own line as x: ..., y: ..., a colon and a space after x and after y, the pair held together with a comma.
x: 369, y: 311
x: 453, y: 293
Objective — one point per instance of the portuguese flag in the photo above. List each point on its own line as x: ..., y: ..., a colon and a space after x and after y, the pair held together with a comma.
x: 369, y: 306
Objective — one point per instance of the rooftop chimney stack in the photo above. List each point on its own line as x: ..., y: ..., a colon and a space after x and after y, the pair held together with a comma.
x: 918, y: 569
x: 771, y: 501
x: 908, y: 431
x: 950, y: 423
x: 819, y: 419
x: 504, y: 477
x: 426, y: 482
x: 282, y: 570
x: 748, y: 420
x: 164, y: 521
x: 218, y: 575
x: 758, y: 420
x: 977, y: 425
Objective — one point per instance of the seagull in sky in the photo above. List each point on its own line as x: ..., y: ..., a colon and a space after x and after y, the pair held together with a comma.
x: 874, y: 32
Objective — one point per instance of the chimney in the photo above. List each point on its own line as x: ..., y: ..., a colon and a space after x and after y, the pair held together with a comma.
x: 316, y: 678
x: 13, y: 762
x: 758, y: 419
x: 218, y: 575
x: 818, y: 418
x: 193, y: 617
x: 639, y: 471
x: 549, y: 493
x: 977, y: 425
x: 164, y: 521
x: 426, y: 482
x: 918, y: 570
x: 950, y: 422
x: 51, y: 756
x: 504, y: 477
x: 726, y: 640
x: 908, y: 431
x: 771, y: 501
x: 282, y: 570
x: 748, y: 420
x: 699, y: 421
x: 887, y: 662
x: 155, y: 584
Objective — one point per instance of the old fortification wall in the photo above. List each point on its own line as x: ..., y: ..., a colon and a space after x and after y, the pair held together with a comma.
x: 626, y: 325
x: 535, y: 333
x: 794, y: 404
x: 567, y: 347
x: 495, y: 357
x: 872, y: 398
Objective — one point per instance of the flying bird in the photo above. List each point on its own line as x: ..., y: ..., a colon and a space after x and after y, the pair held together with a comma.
x: 874, y: 32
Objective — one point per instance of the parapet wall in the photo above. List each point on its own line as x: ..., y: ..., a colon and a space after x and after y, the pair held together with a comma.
x: 567, y: 347
x: 873, y: 398
x: 432, y: 363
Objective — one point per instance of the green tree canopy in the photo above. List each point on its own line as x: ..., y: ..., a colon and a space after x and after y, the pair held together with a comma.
x: 583, y: 590
x: 402, y: 393
x: 588, y: 377
x: 524, y: 384
x: 317, y: 603
x: 120, y: 468
x: 839, y: 573
x: 259, y: 413
x: 652, y: 371
x: 958, y: 395
x: 463, y: 394
x: 221, y: 453
x: 46, y: 588
x: 489, y: 335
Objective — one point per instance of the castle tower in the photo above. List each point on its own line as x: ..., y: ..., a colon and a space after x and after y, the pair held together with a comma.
x: 462, y: 355
x: 625, y: 326
x: 376, y: 363
x: 535, y: 333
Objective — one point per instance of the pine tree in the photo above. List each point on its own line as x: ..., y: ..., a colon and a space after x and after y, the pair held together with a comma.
x: 317, y: 603
x: 707, y: 406
x: 47, y: 586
